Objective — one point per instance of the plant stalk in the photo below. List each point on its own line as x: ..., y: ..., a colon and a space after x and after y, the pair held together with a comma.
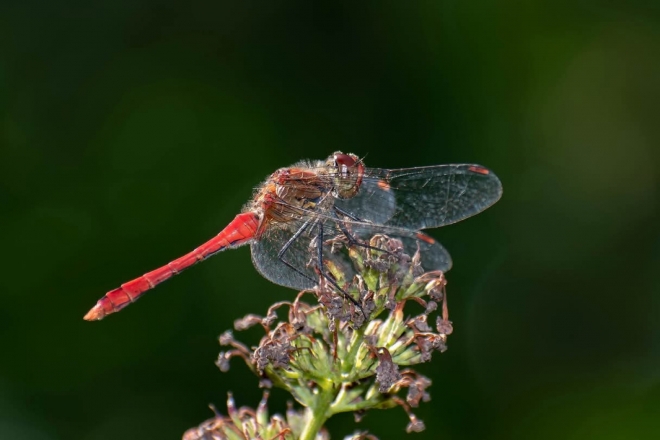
x: 318, y: 415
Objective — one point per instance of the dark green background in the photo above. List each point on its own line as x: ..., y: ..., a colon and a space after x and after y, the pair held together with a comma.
x: 132, y: 131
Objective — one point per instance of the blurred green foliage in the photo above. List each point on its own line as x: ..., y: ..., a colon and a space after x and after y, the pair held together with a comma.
x: 132, y: 131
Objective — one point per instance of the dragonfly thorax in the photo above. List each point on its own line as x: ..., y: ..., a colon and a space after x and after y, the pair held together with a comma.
x: 299, y: 188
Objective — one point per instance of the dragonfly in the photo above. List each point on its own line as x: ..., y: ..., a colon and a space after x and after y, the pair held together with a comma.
x: 298, y: 212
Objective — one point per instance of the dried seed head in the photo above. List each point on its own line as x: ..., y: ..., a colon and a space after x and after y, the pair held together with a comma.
x: 223, y: 361
x: 248, y: 424
x: 444, y: 327
x: 387, y: 372
x: 415, y: 425
x: 227, y: 338
x: 268, y: 320
x: 417, y: 385
x: 276, y: 350
x: 333, y: 345
x: 419, y: 324
x: 246, y: 322
x: 361, y: 436
x: 298, y: 316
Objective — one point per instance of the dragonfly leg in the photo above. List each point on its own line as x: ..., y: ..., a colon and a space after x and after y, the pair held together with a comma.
x: 338, y: 210
x: 324, y: 274
x: 287, y: 245
x: 352, y: 240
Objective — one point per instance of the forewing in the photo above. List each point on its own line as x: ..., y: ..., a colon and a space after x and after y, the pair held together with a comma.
x: 374, y: 202
x: 424, y: 197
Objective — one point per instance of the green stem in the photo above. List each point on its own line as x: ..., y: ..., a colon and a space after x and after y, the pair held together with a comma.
x: 364, y: 404
x: 318, y: 414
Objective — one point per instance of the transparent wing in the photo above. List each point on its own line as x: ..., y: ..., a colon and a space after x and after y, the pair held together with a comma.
x: 297, y: 267
x: 296, y: 273
x: 424, y: 197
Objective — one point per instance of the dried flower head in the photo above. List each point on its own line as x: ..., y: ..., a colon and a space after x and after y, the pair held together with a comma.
x: 334, y: 358
x: 247, y: 424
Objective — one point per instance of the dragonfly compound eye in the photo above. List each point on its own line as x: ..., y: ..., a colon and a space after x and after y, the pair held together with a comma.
x: 349, y: 172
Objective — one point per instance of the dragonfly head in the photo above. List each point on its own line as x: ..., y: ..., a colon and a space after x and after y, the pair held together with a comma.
x: 348, y: 172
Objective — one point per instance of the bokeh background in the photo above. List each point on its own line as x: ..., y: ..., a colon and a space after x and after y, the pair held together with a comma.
x: 132, y: 131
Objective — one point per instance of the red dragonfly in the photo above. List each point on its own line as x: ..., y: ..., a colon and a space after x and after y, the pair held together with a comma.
x: 298, y: 211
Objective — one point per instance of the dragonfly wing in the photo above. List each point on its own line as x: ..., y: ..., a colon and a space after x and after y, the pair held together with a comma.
x: 373, y: 203
x: 434, y: 255
x: 424, y: 197
x: 297, y: 267
x: 297, y: 274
